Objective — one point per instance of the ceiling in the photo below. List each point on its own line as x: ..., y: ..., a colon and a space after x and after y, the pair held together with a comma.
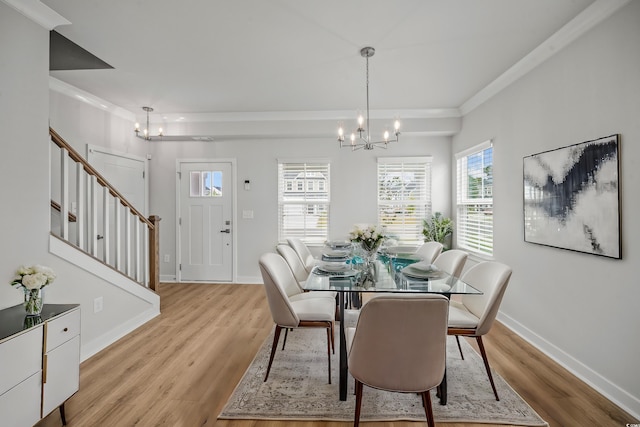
x: 248, y: 56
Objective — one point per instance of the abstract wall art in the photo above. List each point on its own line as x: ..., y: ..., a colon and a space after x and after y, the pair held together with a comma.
x: 572, y: 199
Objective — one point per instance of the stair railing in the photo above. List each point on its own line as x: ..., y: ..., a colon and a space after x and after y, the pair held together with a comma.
x: 90, y: 214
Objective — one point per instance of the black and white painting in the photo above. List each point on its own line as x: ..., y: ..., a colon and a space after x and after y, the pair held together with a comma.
x: 571, y: 198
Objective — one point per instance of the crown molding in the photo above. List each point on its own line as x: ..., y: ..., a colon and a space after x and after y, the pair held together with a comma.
x: 88, y: 98
x: 275, y: 116
x: 38, y: 13
x: 586, y: 20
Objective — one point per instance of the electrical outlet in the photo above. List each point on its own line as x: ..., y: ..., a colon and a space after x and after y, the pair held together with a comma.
x: 98, y: 304
x: 166, y: 258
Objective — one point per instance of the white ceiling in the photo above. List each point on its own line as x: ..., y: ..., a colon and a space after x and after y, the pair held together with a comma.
x: 214, y: 56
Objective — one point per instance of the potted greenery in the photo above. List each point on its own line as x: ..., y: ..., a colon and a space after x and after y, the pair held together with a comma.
x: 437, y: 228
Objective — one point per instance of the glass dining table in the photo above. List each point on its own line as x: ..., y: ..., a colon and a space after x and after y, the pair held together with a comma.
x: 391, y: 274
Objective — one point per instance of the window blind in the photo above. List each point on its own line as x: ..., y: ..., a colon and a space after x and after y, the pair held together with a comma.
x: 474, y: 223
x: 303, y: 201
x: 404, y: 196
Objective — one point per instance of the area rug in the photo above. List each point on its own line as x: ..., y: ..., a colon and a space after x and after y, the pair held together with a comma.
x: 297, y: 389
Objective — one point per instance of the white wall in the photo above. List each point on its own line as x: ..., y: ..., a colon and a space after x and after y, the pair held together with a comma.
x: 353, y: 187
x: 581, y: 309
x: 24, y: 173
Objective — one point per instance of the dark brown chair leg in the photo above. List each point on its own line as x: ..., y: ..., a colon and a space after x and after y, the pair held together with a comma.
x: 356, y: 420
x: 428, y: 409
x: 459, y: 347
x: 62, y: 416
x: 286, y: 333
x: 486, y: 365
x: 276, y: 337
x: 333, y: 344
x: 329, y: 332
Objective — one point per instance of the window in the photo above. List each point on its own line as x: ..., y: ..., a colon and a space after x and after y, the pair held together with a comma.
x: 303, y: 200
x: 404, y: 196
x: 205, y: 184
x: 474, y: 223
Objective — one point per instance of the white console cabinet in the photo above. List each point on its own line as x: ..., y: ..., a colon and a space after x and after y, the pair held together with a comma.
x: 39, y: 362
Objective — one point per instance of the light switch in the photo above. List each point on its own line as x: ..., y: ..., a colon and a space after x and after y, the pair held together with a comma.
x: 247, y: 214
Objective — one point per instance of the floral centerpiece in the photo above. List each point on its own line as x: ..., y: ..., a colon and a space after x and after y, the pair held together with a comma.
x: 369, y: 236
x: 32, y: 280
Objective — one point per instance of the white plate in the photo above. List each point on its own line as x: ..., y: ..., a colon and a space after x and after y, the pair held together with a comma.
x: 336, y: 254
x: 420, y: 273
x: 334, y: 268
x: 422, y: 267
x: 339, y: 244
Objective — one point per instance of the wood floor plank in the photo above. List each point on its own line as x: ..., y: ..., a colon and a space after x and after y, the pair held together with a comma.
x: 180, y: 368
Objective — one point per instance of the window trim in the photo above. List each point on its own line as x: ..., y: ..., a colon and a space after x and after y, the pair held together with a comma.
x: 281, y: 184
x: 427, y: 163
x: 476, y: 149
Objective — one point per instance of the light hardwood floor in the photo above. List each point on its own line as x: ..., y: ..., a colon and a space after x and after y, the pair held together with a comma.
x: 180, y: 368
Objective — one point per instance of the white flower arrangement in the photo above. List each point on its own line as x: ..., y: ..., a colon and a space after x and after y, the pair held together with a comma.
x: 34, y: 277
x: 369, y: 236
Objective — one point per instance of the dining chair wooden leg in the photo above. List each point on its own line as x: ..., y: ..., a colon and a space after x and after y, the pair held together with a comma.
x: 286, y: 333
x: 329, y: 332
x: 459, y: 346
x: 333, y: 334
x: 428, y: 409
x: 276, y: 337
x: 356, y: 419
x: 486, y: 365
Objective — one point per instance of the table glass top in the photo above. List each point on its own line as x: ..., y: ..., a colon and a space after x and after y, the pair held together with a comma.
x: 387, y: 278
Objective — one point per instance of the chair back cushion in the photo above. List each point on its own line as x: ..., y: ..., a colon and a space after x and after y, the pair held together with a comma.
x: 277, y: 276
x: 451, y: 261
x: 491, y: 278
x: 429, y: 251
x: 289, y: 255
x: 400, y: 342
x: 305, y: 255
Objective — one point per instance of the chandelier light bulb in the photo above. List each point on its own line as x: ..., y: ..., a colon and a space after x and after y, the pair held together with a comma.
x: 159, y: 131
x: 396, y: 125
x: 137, y: 127
x: 360, y: 121
x: 353, y: 139
x: 386, y: 135
x: 340, y: 132
x: 146, y: 132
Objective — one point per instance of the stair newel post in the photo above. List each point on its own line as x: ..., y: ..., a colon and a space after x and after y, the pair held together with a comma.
x: 154, y: 252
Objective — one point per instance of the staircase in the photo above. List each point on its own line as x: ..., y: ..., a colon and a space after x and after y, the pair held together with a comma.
x: 104, y: 234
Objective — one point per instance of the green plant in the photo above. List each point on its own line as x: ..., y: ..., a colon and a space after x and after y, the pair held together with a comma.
x: 436, y: 228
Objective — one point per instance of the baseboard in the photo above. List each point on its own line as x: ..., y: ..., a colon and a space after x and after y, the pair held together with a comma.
x: 602, y: 385
x: 249, y: 280
x: 98, y: 344
x: 168, y: 278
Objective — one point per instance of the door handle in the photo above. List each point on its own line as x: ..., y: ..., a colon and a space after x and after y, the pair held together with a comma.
x: 226, y: 230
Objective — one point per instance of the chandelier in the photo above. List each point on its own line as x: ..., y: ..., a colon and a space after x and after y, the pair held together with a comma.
x: 144, y: 134
x: 363, y: 140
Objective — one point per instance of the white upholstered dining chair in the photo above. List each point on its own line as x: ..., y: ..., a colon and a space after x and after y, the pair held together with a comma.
x: 451, y: 261
x: 473, y: 315
x: 429, y: 251
x: 291, y: 308
x: 303, y: 252
x: 399, y: 345
x: 295, y: 263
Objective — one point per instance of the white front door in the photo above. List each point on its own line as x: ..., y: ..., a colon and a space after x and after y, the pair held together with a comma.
x: 205, y: 221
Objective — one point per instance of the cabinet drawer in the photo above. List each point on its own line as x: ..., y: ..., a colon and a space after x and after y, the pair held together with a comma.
x: 20, y: 357
x: 20, y: 406
x: 62, y: 329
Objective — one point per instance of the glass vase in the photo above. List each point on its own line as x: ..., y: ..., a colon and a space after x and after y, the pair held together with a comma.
x: 369, y: 257
x: 33, y: 301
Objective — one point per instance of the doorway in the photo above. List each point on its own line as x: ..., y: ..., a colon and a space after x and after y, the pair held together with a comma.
x: 205, y: 215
